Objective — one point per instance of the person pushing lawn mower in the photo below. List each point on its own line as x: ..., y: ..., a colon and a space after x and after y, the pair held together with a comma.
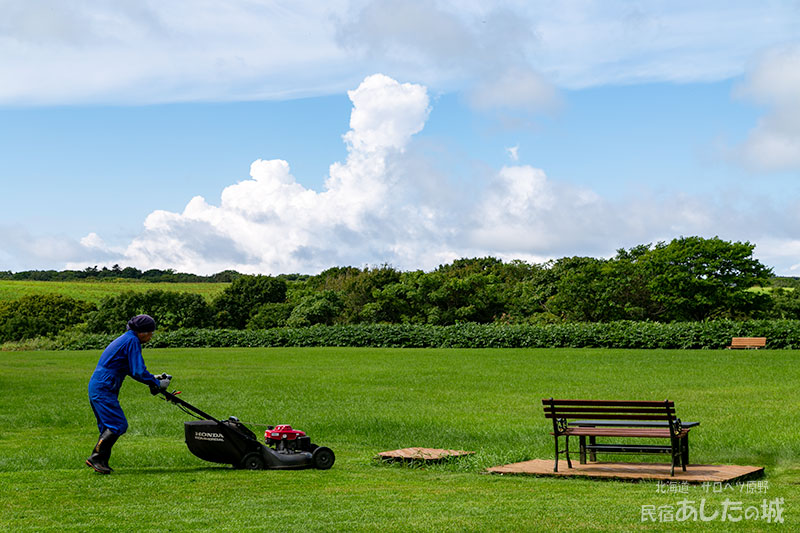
x: 121, y: 358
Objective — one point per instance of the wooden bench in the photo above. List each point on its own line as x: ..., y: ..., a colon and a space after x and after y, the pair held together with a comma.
x: 631, y: 419
x: 747, y: 342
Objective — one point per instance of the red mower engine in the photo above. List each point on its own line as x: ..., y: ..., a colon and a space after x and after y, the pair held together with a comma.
x: 285, y: 439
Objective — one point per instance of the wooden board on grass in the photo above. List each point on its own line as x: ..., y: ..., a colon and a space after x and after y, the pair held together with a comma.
x: 633, y: 471
x: 422, y: 454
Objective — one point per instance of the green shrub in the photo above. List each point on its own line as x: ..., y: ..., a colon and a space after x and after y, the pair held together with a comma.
x: 171, y: 310
x: 244, y: 297
x: 40, y: 315
x: 781, y: 334
x: 785, y: 303
x: 273, y: 315
x: 318, y: 308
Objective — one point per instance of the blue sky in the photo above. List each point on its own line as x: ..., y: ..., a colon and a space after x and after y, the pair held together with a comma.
x: 284, y: 137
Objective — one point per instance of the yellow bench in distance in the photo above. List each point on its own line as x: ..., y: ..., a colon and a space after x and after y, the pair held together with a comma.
x: 748, y: 342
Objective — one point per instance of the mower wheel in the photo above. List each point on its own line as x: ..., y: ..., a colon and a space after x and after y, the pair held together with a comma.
x: 253, y: 461
x: 323, y: 458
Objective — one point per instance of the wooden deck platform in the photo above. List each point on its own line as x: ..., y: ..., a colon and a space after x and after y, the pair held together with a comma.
x: 421, y: 454
x: 633, y: 471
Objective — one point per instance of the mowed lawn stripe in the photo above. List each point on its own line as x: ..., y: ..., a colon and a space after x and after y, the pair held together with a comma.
x: 362, y: 401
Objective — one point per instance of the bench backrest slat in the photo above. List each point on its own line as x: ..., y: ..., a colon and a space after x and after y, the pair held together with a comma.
x: 610, y: 403
x: 560, y: 410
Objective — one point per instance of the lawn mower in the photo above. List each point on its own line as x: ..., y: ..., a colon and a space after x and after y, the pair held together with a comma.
x: 231, y: 442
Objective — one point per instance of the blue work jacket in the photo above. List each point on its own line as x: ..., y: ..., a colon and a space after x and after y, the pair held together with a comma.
x: 123, y: 357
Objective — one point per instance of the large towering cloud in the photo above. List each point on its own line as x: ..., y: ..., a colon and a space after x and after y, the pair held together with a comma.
x: 384, y: 203
x: 271, y: 223
x: 387, y: 203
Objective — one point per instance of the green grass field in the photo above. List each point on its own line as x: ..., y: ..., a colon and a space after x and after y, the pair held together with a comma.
x: 94, y: 291
x: 363, y: 401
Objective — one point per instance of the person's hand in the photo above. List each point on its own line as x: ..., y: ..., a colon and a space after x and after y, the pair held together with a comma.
x: 163, y: 383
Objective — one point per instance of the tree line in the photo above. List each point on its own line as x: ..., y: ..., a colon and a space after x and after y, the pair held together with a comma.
x: 688, y: 279
x: 116, y: 272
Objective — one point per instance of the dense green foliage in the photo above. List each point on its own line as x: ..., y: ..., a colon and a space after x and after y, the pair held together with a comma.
x: 317, y: 308
x: 172, y: 310
x: 363, y: 401
x: 785, y: 282
x: 781, y: 334
x: 40, y: 315
x: 695, y: 279
x: 232, y: 308
x: 785, y: 303
x: 690, y: 279
x: 270, y: 315
x: 115, y: 272
x: 244, y: 297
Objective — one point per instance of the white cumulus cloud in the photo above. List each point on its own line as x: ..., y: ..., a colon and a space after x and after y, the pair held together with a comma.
x: 272, y: 223
x: 387, y: 203
x: 774, y: 144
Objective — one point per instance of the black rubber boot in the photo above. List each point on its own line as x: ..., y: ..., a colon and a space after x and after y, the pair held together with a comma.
x: 102, y: 452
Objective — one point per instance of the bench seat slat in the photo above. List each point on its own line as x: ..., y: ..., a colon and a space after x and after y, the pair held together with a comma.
x: 653, y: 433
x: 627, y: 448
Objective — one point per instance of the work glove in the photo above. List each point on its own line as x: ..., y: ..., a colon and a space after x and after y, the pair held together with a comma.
x: 163, y: 383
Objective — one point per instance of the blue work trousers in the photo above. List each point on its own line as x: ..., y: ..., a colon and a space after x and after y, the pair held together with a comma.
x: 104, y: 397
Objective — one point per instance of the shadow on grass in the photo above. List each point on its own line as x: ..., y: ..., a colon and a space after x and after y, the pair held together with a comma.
x: 171, y: 470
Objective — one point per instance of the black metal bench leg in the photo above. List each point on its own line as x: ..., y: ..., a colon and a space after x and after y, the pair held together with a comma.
x: 685, y: 451
x: 555, y: 468
x: 582, y: 442
x: 676, y: 454
x: 569, y: 463
x: 592, y: 454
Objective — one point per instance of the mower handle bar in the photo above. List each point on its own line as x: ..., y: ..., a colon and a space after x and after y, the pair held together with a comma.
x: 171, y: 397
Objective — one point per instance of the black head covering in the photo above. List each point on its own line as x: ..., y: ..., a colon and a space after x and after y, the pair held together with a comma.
x: 142, y: 324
